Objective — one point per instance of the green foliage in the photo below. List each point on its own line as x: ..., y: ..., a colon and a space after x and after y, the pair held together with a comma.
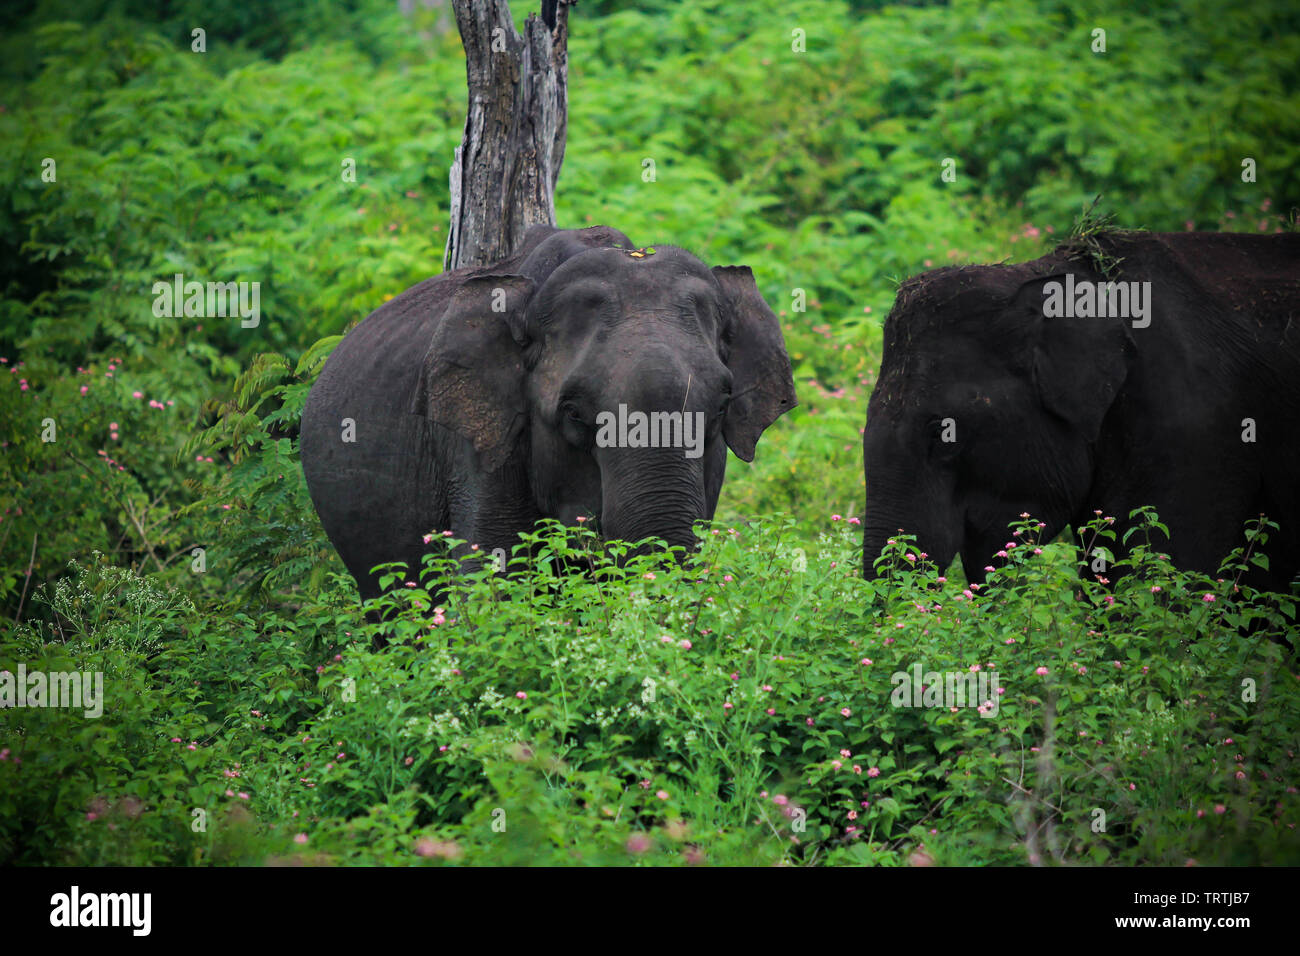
x: 743, y: 707
x: 242, y: 680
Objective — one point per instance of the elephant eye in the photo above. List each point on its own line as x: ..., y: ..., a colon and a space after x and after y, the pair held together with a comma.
x: 571, y: 414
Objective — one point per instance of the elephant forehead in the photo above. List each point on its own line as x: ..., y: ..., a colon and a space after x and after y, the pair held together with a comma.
x: 656, y: 265
x: 635, y: 307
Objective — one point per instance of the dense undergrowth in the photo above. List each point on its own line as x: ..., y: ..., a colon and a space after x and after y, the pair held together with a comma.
x: 753, y: 705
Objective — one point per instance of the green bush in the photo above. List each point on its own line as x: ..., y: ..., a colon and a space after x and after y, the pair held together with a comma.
x: 740, y: 708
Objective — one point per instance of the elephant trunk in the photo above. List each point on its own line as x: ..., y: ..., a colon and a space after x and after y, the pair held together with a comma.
x: 912, y: 507
x: 652, y: 493
x: 939, y: 549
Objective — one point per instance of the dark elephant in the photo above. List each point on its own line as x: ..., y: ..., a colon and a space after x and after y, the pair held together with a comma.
x: 478, y: 400
x: 1031, y: 388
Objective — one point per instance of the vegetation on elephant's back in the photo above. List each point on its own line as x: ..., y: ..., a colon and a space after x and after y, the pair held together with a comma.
x: 247, y: 718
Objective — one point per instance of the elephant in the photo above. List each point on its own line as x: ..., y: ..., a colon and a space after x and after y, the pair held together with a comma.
x: 482, y: 400
x: 1132, y: 369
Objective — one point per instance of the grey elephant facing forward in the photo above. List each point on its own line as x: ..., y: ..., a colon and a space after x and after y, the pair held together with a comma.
x: 580, y: 377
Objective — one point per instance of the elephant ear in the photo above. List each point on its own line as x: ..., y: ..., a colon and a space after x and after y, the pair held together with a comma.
x: 1078, y: 365
x: 762, y: 386
x: 472, y: 377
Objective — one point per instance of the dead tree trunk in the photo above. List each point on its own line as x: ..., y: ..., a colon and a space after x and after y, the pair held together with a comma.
x: 503, y: 178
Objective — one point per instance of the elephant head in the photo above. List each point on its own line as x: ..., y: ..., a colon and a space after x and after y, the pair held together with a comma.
x: 541, y: 365
x: 984, y: 410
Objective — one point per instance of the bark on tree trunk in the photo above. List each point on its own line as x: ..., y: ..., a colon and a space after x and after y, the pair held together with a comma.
x: 503, y: 178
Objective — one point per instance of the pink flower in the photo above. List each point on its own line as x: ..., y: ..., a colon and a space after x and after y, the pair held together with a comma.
x: 1208, y: 599
x: 684, y: 644
x: 844, y: 711
x: 662, y: 794
x: 137, y: 394
x: 854, y: 521
x: 728, y: 705
x: 835, y: 517
x: 637, y: 843
x: 1041, y: 671
x: 521, y: 695
x: 866, y: 662
x: 873, y: 771
x: 1220, y: 808
x: 300, y: 838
